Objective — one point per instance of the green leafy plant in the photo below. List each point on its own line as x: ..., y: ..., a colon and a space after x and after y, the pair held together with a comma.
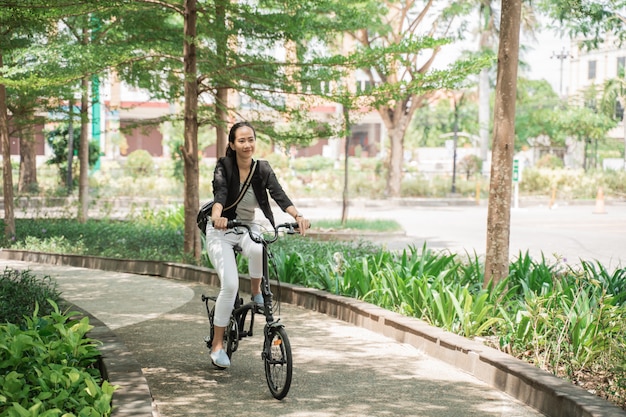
x: 47, y: 368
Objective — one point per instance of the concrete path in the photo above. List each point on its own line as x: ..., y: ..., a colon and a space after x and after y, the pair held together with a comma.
x: 340, y: 369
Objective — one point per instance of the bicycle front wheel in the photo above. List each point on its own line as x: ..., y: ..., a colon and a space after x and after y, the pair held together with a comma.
x: 278, y: 361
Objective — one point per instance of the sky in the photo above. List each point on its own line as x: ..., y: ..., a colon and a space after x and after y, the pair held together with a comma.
x: 540, y: 54
x: 543, y: 58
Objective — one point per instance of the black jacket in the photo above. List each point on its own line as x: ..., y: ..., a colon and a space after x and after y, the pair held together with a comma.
x: 226, y: 187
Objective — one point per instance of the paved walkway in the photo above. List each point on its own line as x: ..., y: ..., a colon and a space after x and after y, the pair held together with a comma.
x: 340, y: 369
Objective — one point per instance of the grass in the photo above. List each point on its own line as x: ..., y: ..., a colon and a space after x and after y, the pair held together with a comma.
x: 363, y: 225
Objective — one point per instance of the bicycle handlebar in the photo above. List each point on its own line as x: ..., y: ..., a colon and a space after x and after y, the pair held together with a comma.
x: 290, y: 227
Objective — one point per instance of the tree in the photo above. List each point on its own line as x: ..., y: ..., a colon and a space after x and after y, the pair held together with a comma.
x: 401, y: 52
x: 488, y: 34
x: 59, y: 140
x: 229, y: 51
x: 537, y: 114
x: 59, y: 42
x: 7, y: 169
x: 433, y: 125
x: 499, y: 208
x: 17, y: 24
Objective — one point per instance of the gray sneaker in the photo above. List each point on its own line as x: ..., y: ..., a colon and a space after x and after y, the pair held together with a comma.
x: 220, y: 359
x: 258, y: 299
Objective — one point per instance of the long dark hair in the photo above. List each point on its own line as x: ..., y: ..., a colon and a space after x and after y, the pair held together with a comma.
x: 231, y: 136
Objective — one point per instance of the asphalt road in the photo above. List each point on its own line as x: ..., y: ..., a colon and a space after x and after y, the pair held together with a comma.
x: 569, y: 233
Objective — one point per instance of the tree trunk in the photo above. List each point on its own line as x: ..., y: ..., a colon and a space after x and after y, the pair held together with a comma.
x: 83, y: 155
x: 396, y: 151
x: 221, y: 102
x: 27, y: 182
x: 221, y: 128
x: 624, y: 124
x: 396, y: 119
x: 190, y: 147
x: 499, y: 210
x: 346, y: 120
x: 7, y: 170
x: 70, y: 146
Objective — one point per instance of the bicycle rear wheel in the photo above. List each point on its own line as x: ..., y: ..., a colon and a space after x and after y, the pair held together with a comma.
x: 231, y: 334
x: 278, y: 361
x: 231, y: 337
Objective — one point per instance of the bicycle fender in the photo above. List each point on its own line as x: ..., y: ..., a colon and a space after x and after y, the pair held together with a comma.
x: 275, y: 324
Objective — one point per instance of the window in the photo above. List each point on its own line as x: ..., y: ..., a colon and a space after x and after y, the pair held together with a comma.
x: 621, y: 63
x: 591, y: 74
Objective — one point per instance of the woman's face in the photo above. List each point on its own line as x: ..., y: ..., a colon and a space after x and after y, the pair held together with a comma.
x: 244, y: 143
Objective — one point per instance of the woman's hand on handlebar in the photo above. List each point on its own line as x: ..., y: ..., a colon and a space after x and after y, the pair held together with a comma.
x: 220, y: 223
x: 303, y: 224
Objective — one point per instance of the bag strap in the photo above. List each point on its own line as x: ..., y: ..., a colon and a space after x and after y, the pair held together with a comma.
x: 244, y: 188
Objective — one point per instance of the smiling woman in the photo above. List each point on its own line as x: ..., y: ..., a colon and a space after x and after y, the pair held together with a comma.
x: 234, y: 200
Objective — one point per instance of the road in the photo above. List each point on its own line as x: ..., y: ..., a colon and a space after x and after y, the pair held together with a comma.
x: 570, y: 233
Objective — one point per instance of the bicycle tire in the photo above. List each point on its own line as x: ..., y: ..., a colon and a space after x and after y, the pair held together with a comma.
x: 231, y: 337
x: 278, y: 361
x: 231, y: 334
x: 209, y: 339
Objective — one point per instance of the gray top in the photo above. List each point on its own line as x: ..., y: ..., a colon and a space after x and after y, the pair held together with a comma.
x: 247, y: 205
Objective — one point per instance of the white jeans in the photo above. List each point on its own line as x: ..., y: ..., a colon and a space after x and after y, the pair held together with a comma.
x: 219, y: 246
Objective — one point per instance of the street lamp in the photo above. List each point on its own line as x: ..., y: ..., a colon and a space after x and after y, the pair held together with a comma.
x: 562, y: 56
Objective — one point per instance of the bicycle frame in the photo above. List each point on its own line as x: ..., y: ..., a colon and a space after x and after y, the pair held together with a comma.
x: 241, y: 309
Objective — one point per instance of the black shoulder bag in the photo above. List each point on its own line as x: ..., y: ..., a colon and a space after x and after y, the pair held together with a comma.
x: 204, y: 214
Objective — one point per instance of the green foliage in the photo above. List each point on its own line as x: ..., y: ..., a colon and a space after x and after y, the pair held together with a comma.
x: 432, y: 125
x: 565, y: 320
x: 549, y: 161
x: 588, y: 21
x: 21, y: 292
x: 58, y: 141
x: 139, y: 163
x: 47, y: 368
x: 174, y: 134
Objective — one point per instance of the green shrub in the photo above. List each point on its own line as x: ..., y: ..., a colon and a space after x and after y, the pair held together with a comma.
x: 469, y: 166
x: 47, y: 368
x: 22, y: 291
x: 549, y: 161
x: 139, y: 163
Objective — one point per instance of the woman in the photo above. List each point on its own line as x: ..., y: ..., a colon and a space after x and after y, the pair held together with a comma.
x: 230, y: 174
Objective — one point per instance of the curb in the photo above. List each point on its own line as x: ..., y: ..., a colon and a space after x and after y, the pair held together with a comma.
x: 536, y: 388
x: 117, y: 365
